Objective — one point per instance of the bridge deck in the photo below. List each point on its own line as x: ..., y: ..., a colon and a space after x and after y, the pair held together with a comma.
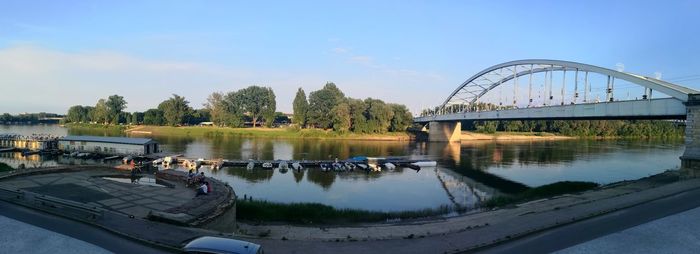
x: 664, y: 108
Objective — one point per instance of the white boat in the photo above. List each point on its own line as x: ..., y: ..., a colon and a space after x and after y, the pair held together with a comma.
x: 337, y: 166
x: 325, y: 167
x: 267, y: 165
x: 250, y: 166
x: 157, y: 161
x: 389, y: 166
x: 425, y: 163
x: 374, y: 167
x: 283, y: 165
x: 362, y: 166
x: 297, y: 166
x: 349, y: 166
x: 168, y: 159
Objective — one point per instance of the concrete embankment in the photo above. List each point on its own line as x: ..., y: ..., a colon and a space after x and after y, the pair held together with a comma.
x: 95, y: 195
x: 470, y: 231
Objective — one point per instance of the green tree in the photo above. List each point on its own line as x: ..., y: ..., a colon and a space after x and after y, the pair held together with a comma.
x: 137, y: 117
x: 401, y: 119
x: 358, y: 120
x: 300, y: 106
x: 115, y: 105
x: 76, y: 114
x: 100, y: 113
x: 378, y: 115
x: 341, y: 117
x: 258, y: 102
x: 321, y: 105
x: 175, y: 110
x: 153, y: 117
x: 233, y: 106
x: 218, y: 109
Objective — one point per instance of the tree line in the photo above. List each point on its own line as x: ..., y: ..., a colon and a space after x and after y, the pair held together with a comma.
x: 232, y: 109
x: 31, y: 118
x: 586, y: 128
x: 329, y: 108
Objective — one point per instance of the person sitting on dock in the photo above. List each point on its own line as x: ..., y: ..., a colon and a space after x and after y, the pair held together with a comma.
x: 201, y: 178
x: 202, y: 190
x: 190, y: 178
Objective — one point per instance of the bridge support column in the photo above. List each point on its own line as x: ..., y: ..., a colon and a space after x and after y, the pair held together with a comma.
x: 445, y: 131
x: 691, y: 157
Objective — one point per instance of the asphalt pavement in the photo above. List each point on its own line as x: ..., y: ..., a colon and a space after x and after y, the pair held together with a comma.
x: 24, y: 230
x: 667, y: 225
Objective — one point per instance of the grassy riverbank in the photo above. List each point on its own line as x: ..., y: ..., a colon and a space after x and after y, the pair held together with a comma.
x: 5, y: 167
x: 314, y: 213
x: 544, y: 191
x: 287, y: 133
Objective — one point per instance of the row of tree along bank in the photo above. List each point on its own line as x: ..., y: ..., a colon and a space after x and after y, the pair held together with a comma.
x: 327, y: 108
x: 586, y: 128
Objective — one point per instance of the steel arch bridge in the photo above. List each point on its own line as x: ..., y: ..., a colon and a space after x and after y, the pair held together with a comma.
x: 459, y: 105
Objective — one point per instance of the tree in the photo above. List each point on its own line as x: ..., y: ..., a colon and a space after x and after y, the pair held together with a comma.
x: 358, y: 121
x: 257, y: 101
x: 341, y: 117
x: 101, y: 112
x: 76, y: 114
x: 321, y: 104
x: 234, y: 109
x: 137, y: 117
x: 401, y: 119
x: 218, y: 110
x: 300, y: 106
x: 269, y: 111
x: 378, y: 115
x: 153, y: 117
x: 115, y: 104
x: 175, y: 110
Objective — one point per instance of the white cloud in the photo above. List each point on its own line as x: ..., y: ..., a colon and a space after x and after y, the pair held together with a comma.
x: 340, y: 50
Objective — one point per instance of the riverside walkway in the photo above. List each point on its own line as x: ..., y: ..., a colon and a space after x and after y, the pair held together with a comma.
x: 86, y: 193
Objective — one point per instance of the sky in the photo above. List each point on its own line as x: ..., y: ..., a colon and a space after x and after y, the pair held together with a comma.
x: 55, y: 54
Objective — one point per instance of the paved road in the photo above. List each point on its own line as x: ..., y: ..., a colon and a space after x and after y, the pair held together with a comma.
x: 24, y: 230
x: 599, y: 234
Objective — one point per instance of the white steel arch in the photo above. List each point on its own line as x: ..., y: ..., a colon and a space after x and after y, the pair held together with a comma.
x: 478, y: 85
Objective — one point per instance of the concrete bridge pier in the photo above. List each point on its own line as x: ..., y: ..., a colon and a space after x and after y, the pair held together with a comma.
x: 445, y: 131
x: 691, y: 157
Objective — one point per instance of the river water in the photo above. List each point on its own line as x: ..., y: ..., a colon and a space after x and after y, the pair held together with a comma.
x: 467, y: 173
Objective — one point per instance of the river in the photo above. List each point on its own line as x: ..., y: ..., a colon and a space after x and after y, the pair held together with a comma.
x: 466, y: 174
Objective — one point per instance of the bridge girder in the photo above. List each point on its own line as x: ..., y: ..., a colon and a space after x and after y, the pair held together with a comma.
x: 532, y: 66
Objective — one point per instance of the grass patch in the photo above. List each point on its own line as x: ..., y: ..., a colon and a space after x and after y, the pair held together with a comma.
x: 285, y: 133
x: 314, y: 213
x: 5, y: 167
x: 544, y: 191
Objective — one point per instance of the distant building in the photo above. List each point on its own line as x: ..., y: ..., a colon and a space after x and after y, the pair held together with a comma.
x: 108, y: 145
x: 32, y: 142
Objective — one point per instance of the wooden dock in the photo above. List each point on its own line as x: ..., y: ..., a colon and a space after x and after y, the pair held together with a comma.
x: 305, y: 163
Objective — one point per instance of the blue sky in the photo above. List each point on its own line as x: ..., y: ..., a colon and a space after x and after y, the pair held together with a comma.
x: 60, y: 53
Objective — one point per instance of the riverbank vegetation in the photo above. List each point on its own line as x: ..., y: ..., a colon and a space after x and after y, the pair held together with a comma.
x: 5, y: 167
x: 326, y: 110
x: 585, y: 128
x: 29, y: 118
x: 544, y: 191
x: 314, y: 213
